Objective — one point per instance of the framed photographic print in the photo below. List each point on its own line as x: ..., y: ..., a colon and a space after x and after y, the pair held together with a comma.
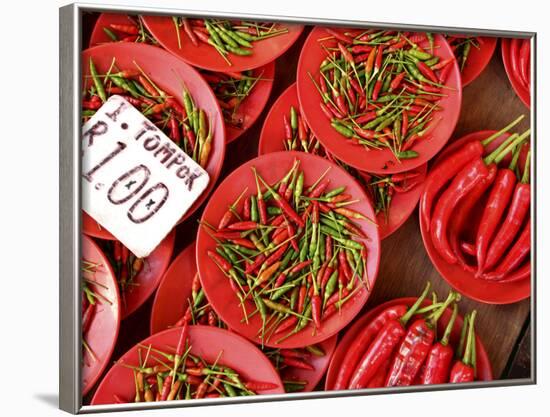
x: 260, y: 208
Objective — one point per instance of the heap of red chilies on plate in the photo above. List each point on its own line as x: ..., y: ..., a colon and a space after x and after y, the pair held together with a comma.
x: 299, y: 137
x: 178, y: 375
x: 294, y: 252
x: 520, y: 59
x: 226, y: 36
x: 231, y: 88
x: 134, y: 31
x: 399, y: 348
x: 380, y: 89
x: 502, y: 239
x: 187, y: 125
x: 199, y: 311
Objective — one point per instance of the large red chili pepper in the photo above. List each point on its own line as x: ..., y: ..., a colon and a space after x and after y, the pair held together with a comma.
x: 461, y: 185
x: 383, y: 345
x: 464, y: 370
x: 515, y: 256
x: 438, y: 363
x: 497, y: 202
x: 363, y: 339
x: 443, y: 172
x: 414, y: 348
x: 519, y: 208
x: 463, y: 213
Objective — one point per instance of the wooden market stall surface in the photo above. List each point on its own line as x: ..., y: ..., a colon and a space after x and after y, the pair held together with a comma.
x: 488, y: 103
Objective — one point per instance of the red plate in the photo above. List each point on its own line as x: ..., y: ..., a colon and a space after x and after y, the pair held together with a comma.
x: 216, y: 286
x: 463, y: 281
x: 483, y: 364
x: 168, y: 72
x: 253, y: 105
x: 175, y: 287
x: 373, y: 161
x: 518, y: 87
x: 206, y: 342
x: 205, y: 56
x: 478, y: 58
x: 149, y: 278
x: 103, y: 331
x: 272, y: 140
x: 170, y: 303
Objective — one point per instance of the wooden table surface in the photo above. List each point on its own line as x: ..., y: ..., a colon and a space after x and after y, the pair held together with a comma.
x: 488, y: 103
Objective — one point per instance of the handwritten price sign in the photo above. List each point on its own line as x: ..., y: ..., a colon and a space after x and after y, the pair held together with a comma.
x: 136, y: 182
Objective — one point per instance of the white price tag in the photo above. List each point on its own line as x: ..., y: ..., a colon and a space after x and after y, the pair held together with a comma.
x: 136, y: 182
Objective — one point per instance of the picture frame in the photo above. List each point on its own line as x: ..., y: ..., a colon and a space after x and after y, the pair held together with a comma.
x: 70, y: 203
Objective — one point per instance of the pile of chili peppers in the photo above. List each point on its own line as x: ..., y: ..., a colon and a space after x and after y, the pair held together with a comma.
x: 399, y: 347
x: 188, y: 125
x: 231, y: 88
x: 461, y: 46
x: 199, y: 311
x: 226, y: 36
x: 380, y: 89
x: 499, y: 246
x: 288, y: 360
x: 380, y: 188
x: 134, y: 31
x: 292, y: 251
x: 126, y: 266
x: 177, y: 375
x: 520, y: 58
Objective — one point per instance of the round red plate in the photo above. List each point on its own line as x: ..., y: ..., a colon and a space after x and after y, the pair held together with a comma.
x: 175, y: 287
x: 206, y: 342
x: 478, y: 58
x: 382, y: 161
x: 272, y: 140
x: 149, y: 278
x: 272, y: 167
x: 168, y: 72
x: 103, y: 331
x: 518, y: 87
x: 253, y: 105
x: 205, y: 56
x: 463, y: 281
x: 483, y: 364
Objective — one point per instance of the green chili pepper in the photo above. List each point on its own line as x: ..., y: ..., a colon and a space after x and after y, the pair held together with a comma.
x: 331, y: 285
x: 423, y: 56
x: 299, y: 188
x: 110, y: 34
x: 254, y: 216
x: 97, y: 82
x: 407, y: 154
x: 343, y: 130
x: 293, y: 119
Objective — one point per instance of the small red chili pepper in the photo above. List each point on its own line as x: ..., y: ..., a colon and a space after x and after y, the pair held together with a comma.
x: 129, y: 29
